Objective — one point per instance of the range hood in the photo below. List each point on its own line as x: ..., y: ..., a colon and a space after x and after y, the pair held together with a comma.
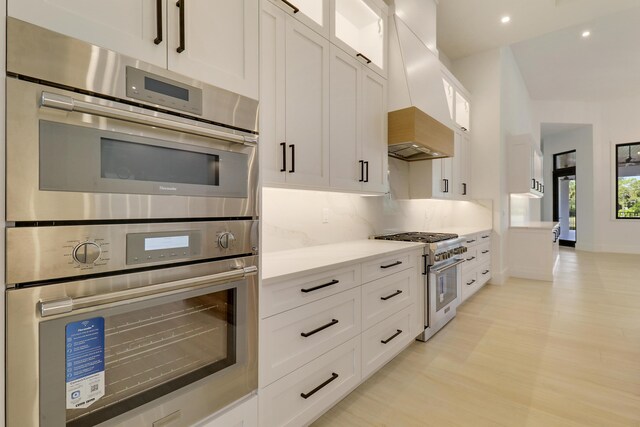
x: 420, y: 125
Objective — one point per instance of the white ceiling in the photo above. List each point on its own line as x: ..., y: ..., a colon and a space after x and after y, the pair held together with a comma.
x: 545, y: 35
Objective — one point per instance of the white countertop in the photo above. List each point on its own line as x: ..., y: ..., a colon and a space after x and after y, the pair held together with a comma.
x: 461, y: 231
x: 541, y: 225
x: 287, y: 264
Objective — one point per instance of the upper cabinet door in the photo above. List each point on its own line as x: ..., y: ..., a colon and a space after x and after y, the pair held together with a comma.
x: 307, y: 106
x: 313, y: 13
x: 125, y: 26
x: 374, y: 132
x: 360, y: 28
x: 215, y: 41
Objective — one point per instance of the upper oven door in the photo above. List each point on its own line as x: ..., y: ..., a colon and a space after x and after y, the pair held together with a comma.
x: 77, y: 157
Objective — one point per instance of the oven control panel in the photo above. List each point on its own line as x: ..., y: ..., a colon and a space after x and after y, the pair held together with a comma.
x: 450, y: 253
x: 143, y: 248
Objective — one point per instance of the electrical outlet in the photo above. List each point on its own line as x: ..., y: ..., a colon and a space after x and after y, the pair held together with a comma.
x: 325, y: 215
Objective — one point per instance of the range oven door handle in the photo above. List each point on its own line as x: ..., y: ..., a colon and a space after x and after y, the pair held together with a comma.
x: 67, y: 103
x: 67, y: 305
x: 447, y: 267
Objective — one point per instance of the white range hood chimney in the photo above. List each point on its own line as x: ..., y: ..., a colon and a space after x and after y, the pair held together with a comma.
x: 420, y: 125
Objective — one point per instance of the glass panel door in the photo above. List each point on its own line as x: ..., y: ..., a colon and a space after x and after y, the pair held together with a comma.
x: 564, y: 196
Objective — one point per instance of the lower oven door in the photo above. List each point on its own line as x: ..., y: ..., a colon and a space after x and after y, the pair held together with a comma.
x: 175, y: 351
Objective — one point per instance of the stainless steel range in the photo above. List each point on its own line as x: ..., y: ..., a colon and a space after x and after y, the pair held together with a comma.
x: 442, y: 276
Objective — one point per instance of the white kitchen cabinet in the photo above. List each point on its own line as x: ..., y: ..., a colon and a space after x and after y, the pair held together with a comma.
x: 432, y: 179
x: 220, y: 45
x: 294, y: 122
x: 358, y: 126
x: 313, y: 13
x: 462, y: 167
x: 242, y: 414
x: 360, y: 28
x: 476, y: 270
x: 525, y: 174
x: 534, y: 250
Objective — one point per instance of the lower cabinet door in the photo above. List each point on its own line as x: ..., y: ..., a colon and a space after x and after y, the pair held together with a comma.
x: 302, y: 396
x: 244, y: 414
x: 383, y: 341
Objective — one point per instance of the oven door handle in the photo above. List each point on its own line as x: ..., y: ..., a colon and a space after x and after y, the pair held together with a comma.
x: 447, y: 267
x: 67, y: 305
x: 67, y: 103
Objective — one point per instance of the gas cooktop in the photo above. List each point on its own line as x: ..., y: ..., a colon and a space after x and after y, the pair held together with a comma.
x: 421, y: 237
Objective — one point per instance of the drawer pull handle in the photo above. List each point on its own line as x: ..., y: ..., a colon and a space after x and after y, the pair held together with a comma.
x: 320, y: 387
x: 471, y: 282
x: 471, y: 241
x: 364, y: 57
x: 315, y: 288
x: 485, y: 272
x: 388, y: 340
x: 395, y: 294
x: 485, y: 237
x: 485, y: 252
x: 471, y: 259
x: 321, y: 328
x: 391, y: 265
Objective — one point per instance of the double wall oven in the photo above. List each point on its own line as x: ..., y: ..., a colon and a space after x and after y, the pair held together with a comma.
x: 132, y: 232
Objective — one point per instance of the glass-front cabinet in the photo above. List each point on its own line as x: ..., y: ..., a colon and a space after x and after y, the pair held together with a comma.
x: 313, y: 13
x: 359, y: 27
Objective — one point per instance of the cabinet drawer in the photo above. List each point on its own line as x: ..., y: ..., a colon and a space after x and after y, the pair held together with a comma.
x: 298, y: 336
x: 470, y: 240
x: 484, y: 237
x: 293, y: 293
x: 385, y: 266
x: 484, y: 253
x: 471, y: 259
x: 470, y: 284
x: 383, y: 297
x: 484, y: 274
x: 331, y: 376
x: 384, y: 340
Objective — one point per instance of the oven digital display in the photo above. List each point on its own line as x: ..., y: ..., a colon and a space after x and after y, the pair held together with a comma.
x: 166, y: 88
x: 172, y: 242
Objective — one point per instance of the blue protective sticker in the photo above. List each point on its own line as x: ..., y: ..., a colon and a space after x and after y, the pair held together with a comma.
x: 84, y: 373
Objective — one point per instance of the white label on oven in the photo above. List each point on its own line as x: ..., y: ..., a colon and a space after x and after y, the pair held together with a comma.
x: 84, y: 362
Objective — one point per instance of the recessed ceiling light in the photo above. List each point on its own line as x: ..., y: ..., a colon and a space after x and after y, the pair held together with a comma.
x: 586, y: 34
x: 505, y: 19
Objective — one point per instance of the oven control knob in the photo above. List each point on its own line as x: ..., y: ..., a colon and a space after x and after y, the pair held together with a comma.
x: 226, y: 240
x: 86, y: 253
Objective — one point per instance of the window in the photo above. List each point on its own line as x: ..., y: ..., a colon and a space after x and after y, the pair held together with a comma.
x: 628, y: 181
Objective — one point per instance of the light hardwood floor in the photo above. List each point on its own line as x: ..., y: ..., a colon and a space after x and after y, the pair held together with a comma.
x: 527, y: 353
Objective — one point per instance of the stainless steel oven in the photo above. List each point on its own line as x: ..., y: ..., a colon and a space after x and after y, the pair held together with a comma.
x: 93, y: 135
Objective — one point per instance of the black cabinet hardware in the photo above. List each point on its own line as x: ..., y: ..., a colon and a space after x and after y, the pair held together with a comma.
x: 446, y: 185
x: 293, y: 158
x: 464, y: 188
x: 391, y: 265
x: 471, y: 282
x: 182, y: 46
x: 159, y: 18
x: 321, y: 328
x: 471, y: 259
x: 366, y: 169
x: 424, y: 264
x: 364, y: 57
x: 485, y: 272
x: 533, y: 183
x: 315, y: 288
x: 485, y: 237
x: 284, y: 157
x: 395, y: 294
x: 388, y: 340
x: 485, y: 252
x: 471, y: 241
x: 361, y: 170
x: 320, y: 387
x: 292, y: 6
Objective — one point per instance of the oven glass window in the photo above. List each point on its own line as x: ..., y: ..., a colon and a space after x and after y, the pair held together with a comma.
x: 446, y: 288
x: 141, y: 162
x: 154, y: 351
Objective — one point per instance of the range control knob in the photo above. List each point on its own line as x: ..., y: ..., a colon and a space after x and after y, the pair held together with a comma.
x: 86, y: 253
x: 226, y: 240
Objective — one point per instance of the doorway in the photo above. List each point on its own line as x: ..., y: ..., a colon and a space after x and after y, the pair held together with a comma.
x: 564, y: 196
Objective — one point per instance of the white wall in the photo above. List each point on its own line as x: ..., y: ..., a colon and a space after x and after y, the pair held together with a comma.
x: 581, y: 140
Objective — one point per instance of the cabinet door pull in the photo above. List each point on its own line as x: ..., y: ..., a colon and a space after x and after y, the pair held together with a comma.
x: 364, y: 57
x: 533, y: 183
x: 361, y: 171
x: 292, y: 6
x: 471, y: 282
x: 293, y: 158
x: 284, y: 157
x: 321, y: 328
x: 391, y: 265
x: 485, y: 252
x: 388, y: 340
x: 159, y: 18
x: 464, y: 188
x: 446, y: 185
x: 366, y: 168
x: 485, y: 272
x: 315, y: 288
x: 320, y: 387
x: 182, y: 46
x: 395, y: 294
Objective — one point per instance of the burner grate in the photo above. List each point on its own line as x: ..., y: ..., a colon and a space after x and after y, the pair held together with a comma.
x: 421, y: 237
